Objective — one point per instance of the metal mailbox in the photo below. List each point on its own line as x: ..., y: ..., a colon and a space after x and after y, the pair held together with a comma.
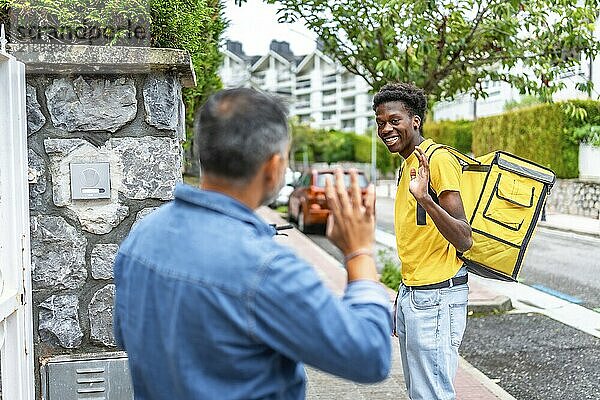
x: 77, y: 378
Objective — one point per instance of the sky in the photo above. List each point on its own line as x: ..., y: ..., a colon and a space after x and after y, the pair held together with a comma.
x: 254, y: 24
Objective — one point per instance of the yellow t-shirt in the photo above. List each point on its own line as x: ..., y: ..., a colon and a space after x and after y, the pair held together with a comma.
x: 427, y: 257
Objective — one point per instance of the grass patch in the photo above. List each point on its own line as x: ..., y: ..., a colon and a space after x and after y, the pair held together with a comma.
x: 391, y: 275
x: 282, y: 210
x: 192, y: 180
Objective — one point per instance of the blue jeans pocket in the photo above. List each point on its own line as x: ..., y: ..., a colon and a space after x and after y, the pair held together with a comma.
x: 458, y: 322
x: 425, y: 299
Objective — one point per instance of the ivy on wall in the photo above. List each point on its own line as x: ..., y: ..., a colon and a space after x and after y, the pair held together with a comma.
x: 196, y: 26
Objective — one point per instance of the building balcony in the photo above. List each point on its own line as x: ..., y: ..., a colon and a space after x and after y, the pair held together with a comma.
x: 302, y: 104
x: 328, y: 100
x: 303, y: 91
x: 329, y: 79
x: 260, y: 82
x: 328, y: 85
x: 328, y: 107
x: 303, y: 84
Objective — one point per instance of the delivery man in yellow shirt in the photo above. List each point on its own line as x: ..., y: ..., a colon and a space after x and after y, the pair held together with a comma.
x: 431, y: 228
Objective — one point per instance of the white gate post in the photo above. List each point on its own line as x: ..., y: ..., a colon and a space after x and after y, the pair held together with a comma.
x: 16, y: 332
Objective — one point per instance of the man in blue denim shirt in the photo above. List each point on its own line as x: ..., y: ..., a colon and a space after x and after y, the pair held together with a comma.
x: 209, y: 306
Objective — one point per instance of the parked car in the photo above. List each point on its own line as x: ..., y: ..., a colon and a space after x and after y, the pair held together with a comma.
x: 307, y: 203
x: 284, y: 193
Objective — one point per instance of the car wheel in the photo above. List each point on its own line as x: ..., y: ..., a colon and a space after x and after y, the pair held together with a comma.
x: 301, y: 223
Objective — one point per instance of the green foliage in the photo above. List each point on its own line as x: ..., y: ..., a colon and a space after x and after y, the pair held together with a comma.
x: 458, y: 134
x: 386, y: 161
x: 450, y: 47
x: 77, y: 12
x: 589, y: 134
x: 525, y: 101
x: 330, y: 146
x: 391, y: 276
x: 542, y: 133
x: 195, y: 26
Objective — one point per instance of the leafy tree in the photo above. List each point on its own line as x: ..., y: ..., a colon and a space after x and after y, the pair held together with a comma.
x: 452, y: 46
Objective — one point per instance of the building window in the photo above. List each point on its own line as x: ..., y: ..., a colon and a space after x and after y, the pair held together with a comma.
x: 328, y: 116
x: 304, y: 118
x: 303, y: 84
x: 328, y: 79
x: 348, y: 124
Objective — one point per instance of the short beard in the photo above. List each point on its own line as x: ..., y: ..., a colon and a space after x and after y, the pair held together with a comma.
x: 270, y: 197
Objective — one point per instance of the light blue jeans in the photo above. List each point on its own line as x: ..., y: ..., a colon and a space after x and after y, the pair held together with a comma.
x: 430, y: 325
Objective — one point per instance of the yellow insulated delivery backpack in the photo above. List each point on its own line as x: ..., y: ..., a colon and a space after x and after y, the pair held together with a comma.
x: 503, y: 196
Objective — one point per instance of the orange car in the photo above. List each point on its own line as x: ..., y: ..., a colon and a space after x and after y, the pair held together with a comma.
x: 307, y: 204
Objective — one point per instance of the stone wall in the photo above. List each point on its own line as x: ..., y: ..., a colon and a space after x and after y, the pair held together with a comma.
x: 134, y: 120
x: 569, y: 196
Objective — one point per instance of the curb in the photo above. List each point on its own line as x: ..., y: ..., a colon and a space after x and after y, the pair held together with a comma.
x: 498, y: 304
x: 545, y: 225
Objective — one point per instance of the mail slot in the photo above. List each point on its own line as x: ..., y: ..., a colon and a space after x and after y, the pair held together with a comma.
x: 104, y: 376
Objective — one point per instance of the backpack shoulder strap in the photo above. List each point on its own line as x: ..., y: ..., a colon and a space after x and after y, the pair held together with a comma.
x: 462, y: 158
x: 465, y: 161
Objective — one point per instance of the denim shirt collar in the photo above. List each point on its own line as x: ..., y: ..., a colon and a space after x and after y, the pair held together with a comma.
x: 222, y: 203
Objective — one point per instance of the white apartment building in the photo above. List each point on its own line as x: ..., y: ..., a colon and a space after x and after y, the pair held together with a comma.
x: 319, y: 91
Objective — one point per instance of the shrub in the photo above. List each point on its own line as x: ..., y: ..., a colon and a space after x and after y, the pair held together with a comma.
x: 525, y: 101
x: 330, y: 146
x: 386, y: 161
x: 589, y: 134
x: 542, y: 133
x: 195, y: 26
x: 458, y: 134
x: 391, y: 275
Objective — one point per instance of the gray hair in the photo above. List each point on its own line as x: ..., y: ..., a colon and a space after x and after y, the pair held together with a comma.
x: 237, y: 130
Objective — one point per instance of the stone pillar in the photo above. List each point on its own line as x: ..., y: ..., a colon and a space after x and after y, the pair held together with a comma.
x: 90, y: 104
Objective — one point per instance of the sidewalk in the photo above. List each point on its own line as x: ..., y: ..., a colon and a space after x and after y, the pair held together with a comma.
x: 572, y: 223
x: 470, y: 383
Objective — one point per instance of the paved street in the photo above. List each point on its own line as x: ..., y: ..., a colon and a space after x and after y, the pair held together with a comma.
x: 567, y: 263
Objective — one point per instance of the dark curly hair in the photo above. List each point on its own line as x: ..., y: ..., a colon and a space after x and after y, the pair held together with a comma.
x: 412, y: 97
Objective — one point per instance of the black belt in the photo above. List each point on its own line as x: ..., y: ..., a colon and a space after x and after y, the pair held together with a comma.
x: 459, y: 280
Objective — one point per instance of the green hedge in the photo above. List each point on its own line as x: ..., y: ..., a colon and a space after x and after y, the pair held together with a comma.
x: 321, y: 145
x: 386, y: 161
x: 457, y: 134
x: 543, y: 134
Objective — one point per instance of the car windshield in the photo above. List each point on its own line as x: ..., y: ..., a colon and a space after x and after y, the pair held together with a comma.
x: 362, y: 181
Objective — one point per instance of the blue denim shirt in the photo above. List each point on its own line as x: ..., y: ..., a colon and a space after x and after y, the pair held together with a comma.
x: 209, y: 306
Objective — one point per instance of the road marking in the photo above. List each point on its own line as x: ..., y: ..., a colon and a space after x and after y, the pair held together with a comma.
x: 557, y: 293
